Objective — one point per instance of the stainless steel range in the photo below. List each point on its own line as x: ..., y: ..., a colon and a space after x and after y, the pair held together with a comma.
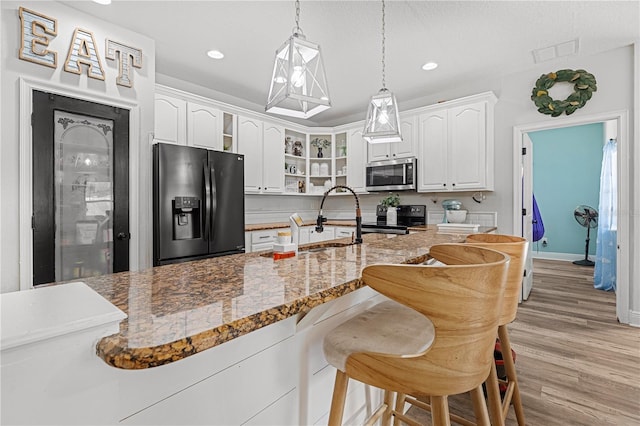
x: 408, y: 215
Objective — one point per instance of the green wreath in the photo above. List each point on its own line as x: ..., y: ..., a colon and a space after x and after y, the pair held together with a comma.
x: 584, y: 86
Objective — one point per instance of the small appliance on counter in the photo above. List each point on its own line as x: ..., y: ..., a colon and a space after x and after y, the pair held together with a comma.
x: 453, y: 212
x: 408, y: 215
x: 285, y: 248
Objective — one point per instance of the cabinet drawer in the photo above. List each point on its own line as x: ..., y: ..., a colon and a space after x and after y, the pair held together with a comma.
x: 266, y: 236
x: 344, y: 232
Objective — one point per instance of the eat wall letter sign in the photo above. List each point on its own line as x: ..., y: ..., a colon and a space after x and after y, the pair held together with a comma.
x: 38, y: 30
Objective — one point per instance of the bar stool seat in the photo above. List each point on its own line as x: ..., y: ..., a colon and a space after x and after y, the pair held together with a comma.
x: 434, y: 339
x: 408, y: 334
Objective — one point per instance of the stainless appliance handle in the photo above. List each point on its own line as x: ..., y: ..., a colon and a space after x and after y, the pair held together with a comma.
x: 207, y: 201
x: 404, y: 174
x: 214, y: 198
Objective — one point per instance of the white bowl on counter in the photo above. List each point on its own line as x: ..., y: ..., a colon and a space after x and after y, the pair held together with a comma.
x: 456, y: 216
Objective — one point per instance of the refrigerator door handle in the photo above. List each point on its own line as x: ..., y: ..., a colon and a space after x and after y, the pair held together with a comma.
x: 207, y: 201
x: 214, y: 197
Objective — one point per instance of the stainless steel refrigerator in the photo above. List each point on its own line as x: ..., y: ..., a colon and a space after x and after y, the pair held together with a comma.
x: 198, y: 203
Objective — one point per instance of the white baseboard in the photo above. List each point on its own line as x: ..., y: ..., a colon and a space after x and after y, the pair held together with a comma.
x: 569, y: 257
x: 634, y: 318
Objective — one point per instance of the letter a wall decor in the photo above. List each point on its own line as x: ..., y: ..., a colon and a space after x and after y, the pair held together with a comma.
x: 83, y: 50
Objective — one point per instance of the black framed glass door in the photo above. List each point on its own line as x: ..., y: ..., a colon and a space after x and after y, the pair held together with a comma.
x: 80, y: 188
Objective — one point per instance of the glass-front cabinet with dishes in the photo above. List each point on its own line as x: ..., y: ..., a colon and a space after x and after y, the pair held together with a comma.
x: 320, y: 163
x: 340, y: 163
x: 295, y: 162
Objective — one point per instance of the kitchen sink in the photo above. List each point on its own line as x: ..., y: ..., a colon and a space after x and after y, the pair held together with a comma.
x: 314, y: 247
x: 322, y: 247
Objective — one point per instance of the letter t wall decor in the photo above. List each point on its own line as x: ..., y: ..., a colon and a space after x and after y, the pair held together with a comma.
x: 127, y: 57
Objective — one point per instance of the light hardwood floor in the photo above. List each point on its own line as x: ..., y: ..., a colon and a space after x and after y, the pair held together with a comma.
x: 576, y: 364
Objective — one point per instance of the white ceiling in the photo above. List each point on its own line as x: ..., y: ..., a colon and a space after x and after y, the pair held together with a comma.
x: 469, y: 39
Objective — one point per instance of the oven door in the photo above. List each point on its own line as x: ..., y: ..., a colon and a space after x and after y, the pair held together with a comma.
x: 392, y: 175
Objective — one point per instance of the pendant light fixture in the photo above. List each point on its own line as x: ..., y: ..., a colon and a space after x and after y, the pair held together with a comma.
x: 298, y: 84
x: 383, y: 121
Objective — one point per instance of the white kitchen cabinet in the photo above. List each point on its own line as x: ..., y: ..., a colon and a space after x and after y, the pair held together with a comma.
x: 456, y: 146
x: 328, y: 233
x: 308, y: 234
x: 404, y: 149
x: 344, y: 231
x: 214, y: 400
x: 170, y: 120
x: 262, y: 240
x: 261, y: 144
x: 356, y: 160
x: 272, y: 159
x: 204, y: 126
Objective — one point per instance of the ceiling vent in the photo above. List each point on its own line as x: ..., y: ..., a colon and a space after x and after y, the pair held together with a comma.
x: 559, y: 50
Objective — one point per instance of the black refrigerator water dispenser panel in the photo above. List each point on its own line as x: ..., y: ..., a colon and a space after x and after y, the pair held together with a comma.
x: 186, y: 218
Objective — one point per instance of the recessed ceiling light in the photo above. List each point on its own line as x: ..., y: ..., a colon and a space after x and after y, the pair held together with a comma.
x: 215, y: 54
x: 105, y: 2
x: 430, y: 66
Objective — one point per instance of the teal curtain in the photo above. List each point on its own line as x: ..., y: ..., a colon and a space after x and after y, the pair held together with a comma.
x: 604, y: 276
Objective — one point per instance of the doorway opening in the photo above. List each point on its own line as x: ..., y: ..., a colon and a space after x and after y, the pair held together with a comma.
x: 523, y: 193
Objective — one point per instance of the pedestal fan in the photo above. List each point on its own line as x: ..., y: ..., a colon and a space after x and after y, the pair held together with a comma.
x: 587, y: 217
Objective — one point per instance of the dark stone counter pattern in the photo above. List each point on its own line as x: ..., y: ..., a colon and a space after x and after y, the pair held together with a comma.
x: 175, y: 311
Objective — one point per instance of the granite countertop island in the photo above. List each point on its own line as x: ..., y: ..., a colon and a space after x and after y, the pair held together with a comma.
x: 178, y: 310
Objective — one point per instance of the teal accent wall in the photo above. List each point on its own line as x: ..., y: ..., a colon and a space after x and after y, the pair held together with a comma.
x: 566, y: 173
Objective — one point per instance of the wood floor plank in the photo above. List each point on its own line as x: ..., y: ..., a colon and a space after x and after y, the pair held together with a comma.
x: 576, y: 364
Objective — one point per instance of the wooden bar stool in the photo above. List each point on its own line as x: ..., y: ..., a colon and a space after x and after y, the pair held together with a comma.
x: 446, y: 349
x: 516, y: 248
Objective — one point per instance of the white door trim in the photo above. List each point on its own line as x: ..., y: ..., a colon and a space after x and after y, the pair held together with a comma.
x: 27, y: 86
x: 623, y: 291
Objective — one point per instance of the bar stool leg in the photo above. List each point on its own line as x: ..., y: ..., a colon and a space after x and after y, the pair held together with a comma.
x: 400, y: 398
x: 388, y: 402
x: 440, y: 411
x: 480, y: 407
x: 339, y: 397
x: 493, y: 397
x: 510, y: 369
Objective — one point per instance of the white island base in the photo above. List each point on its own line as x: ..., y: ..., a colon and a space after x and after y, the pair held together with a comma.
x: 273, y: 376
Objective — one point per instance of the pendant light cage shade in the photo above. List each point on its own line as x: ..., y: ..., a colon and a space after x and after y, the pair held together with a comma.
x: 298, y: 84
x: 382, y: 124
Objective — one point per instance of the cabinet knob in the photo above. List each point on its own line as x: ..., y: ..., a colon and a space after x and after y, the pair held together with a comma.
x: 453, y: 184
x: 394, y: 155
x: 444, y: 184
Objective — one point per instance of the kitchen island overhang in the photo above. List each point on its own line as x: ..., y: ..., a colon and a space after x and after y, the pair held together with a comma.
x: 176, y: 311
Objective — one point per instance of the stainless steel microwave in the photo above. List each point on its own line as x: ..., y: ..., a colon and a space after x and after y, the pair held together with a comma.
x: 391, y: 175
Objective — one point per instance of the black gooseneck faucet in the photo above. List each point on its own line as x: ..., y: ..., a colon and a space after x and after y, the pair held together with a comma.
x: 321, y: 219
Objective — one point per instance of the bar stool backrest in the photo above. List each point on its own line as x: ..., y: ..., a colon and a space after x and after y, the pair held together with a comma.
x: 516, y: 248
x: 462, y: 301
